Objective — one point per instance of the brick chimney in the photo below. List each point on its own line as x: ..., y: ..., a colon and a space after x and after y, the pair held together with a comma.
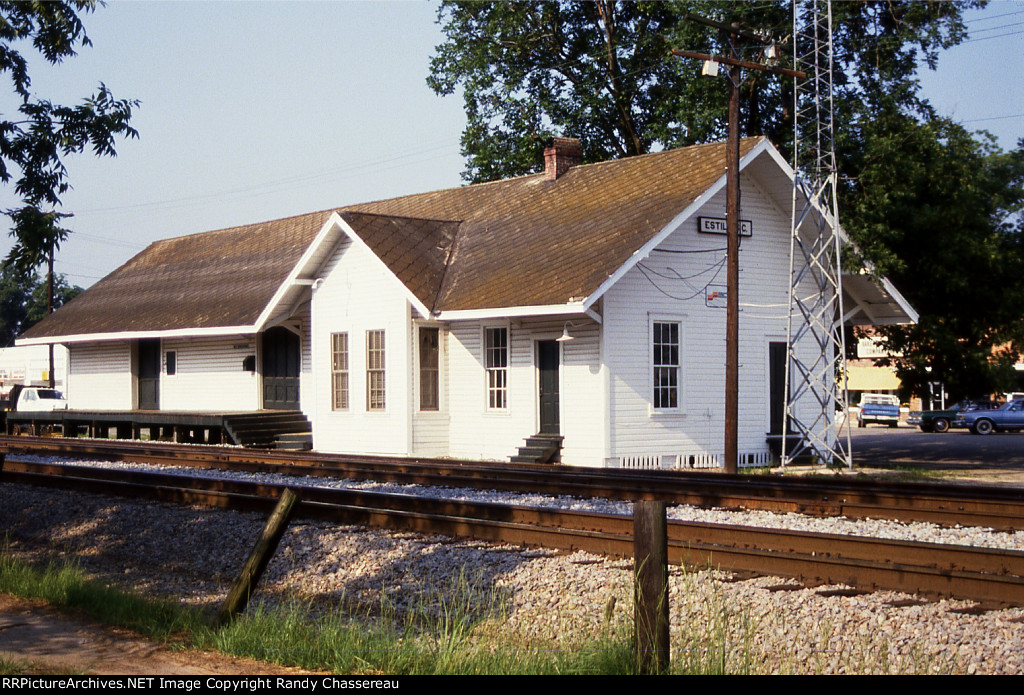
x: 561, y: 154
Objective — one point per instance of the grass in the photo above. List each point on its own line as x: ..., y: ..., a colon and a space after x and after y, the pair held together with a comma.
x: 441, y: 635
x: 460, y: 628
x: 9, y: 667
x: 904, y: 473
x: 20, y: 667
x: 66, y: 587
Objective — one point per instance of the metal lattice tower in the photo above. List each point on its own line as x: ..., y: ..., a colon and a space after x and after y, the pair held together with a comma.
x: 815, y: 334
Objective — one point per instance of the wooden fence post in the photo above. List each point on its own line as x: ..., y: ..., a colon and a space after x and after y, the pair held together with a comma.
x: 264, y: 549
x: 650, y: 606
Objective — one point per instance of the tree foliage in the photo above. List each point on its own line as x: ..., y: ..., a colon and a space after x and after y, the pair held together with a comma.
x: 930, y: 205
x: 35, y: 143
x: 939, y: 209
x: 603, y: 71
x: 23, y: 301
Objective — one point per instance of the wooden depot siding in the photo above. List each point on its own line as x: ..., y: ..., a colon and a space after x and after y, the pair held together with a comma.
x: 100, y: 376
x: 209, y: 375
x: 639, y: 434
x: 307, y: 378
x: 477, y: 431
x: 358, y: 295
x: 581, y: 396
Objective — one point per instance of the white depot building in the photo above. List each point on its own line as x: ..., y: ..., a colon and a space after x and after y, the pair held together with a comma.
x: 582, y: 307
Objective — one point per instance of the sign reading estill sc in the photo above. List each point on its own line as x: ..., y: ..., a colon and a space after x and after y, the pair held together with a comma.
x: 716, y: 225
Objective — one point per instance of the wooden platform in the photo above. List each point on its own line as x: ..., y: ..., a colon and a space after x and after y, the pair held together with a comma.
x: 252, y: 428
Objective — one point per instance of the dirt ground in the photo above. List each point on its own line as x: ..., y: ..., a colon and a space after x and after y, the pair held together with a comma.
x: 38, y: 640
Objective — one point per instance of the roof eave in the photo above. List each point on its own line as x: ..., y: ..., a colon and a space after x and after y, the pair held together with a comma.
x: 138, y: 335
x: 569, y: 308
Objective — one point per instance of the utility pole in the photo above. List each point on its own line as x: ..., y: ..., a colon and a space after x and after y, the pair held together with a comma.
x: 49, y: 309
x: 734, y: 33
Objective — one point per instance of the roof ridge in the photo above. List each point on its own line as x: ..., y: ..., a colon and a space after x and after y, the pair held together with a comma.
x: 676, y: 150
x: 236, y: 227
x: 351, y: 207
x: 348, y: 210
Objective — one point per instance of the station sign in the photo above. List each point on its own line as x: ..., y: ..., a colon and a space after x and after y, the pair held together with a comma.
x: 715, y: 296
x: 717, y: 225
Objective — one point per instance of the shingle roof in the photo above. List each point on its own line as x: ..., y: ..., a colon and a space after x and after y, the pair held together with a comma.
x: 529, y: 241
x: 214, y: 279
x: 526, y: 241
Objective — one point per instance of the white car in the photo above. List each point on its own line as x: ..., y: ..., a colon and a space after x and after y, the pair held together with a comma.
x: 40, y: 399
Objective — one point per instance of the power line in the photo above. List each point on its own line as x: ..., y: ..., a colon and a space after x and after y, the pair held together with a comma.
x: 995, y: 16
x: 997, y: 36
x: 995, y: 118
x: 264, y: 186
x: 998, y: 28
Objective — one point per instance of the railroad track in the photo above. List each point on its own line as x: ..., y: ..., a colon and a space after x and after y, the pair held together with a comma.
x: 947, y: 504
x: 989, y: 577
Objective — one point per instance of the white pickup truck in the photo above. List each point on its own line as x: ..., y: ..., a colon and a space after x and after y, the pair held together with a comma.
x: 38, y: 399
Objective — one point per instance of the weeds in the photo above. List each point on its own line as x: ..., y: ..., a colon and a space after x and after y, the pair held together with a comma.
x: 65, y: 586
x: 461, y: 627
x: 13, y: 668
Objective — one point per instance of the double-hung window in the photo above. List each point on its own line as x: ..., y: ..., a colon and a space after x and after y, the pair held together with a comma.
x: 375, y: 380
x: 339, y: 370
x: 666, y: 365
x: 430, y: 363
x: 496, y: 365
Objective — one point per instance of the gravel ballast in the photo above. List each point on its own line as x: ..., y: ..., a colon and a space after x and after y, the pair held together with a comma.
x: 767, y: 625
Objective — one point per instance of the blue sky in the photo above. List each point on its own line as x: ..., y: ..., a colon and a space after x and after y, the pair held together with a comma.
x: 258, y: 110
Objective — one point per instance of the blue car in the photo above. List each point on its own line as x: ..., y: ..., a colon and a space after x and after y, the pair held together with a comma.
x: 1008, y: 417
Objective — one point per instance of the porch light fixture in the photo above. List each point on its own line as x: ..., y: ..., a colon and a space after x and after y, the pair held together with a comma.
x: 565, y: 337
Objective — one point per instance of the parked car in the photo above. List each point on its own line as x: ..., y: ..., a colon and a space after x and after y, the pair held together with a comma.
x: 1009, y: 417
x: 942, y: 420
x: 34, y: 399
x: 879, y: 407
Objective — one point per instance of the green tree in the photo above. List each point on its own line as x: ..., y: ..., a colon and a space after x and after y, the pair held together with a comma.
x: 35, y: 143
x: 603, y: 71
x: 14, y: 297
x: 598, y: 70
x: 939, y: 210
x: 927, y: 203
x: 23, y: 301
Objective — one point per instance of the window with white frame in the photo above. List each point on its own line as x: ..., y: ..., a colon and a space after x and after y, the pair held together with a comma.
x: 496, y: 364
x: 430, y: 369
x: 339, y: 371
x: 375, y: 370
x: 666, y: 365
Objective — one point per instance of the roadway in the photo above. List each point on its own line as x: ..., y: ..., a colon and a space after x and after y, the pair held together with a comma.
x: 994, y: 458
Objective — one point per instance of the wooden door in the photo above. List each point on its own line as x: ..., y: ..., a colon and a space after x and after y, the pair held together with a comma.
x: 777, y: 355
x: 149, y: 374
x: 547, y: 366
x: 281, y: 359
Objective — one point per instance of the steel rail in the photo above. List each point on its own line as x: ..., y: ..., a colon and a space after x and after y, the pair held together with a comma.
x: 991, y: 577
x: 968, y: 505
